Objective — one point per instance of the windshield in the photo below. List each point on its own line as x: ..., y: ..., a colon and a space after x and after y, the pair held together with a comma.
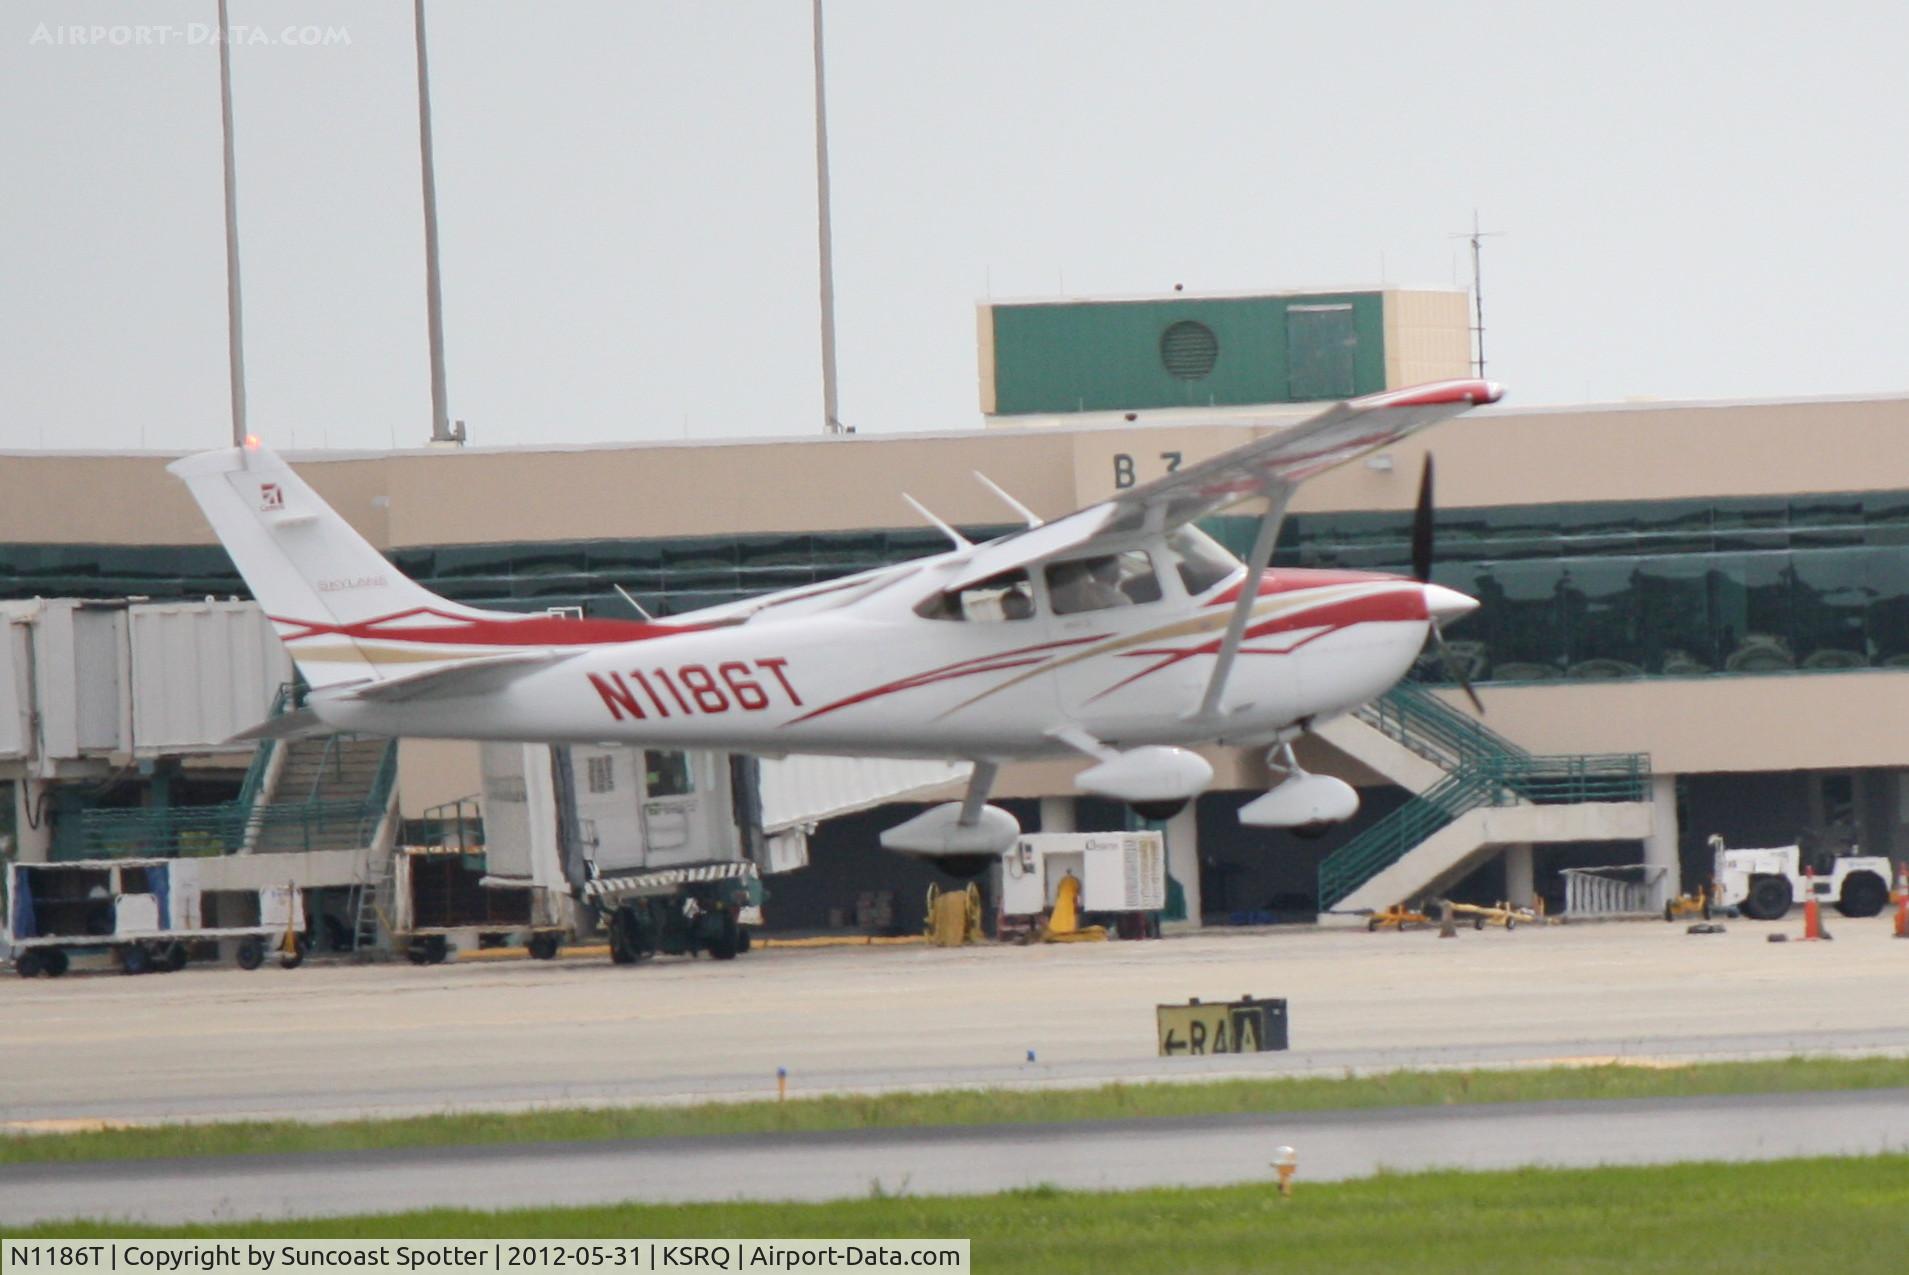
x: 1201, y: 561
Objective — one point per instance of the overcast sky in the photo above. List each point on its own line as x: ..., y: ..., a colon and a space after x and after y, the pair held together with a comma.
x: 1699, y: 200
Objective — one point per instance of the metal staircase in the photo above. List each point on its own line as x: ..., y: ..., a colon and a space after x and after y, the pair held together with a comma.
x: 309, y: 794
x: 329, y: 795
x: 1481, y: 770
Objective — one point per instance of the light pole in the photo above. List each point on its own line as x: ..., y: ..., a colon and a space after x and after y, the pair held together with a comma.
x: 433, y: 294
x: 831, y: 423
x: 234, y: 314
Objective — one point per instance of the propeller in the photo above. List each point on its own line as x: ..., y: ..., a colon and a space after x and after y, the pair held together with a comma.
x: 1422, y: 570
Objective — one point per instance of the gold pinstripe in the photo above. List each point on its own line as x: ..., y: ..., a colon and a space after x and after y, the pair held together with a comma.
x: 1267, y: 608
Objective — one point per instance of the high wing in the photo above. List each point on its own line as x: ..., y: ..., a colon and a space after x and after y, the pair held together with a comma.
x: 1343, y: 432
x: 1271, y: 466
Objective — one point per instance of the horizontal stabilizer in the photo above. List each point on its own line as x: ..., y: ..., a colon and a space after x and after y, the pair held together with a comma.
x: 300, y: 723
x: 456, y: 681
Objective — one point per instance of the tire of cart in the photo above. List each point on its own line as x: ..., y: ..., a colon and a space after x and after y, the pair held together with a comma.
x: 250, y: 953
x: 1864, y: 894
x: 428, y: 949
x: 135, y: 958
x: 728, y: 943
x: 1769, y: 899
x: 174, y: 958
x: 31, y: 962
x: 543, y: 947
x: 629, y: 940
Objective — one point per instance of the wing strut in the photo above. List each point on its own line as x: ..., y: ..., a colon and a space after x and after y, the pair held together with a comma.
x: 1249, y: 597
x: 980, y: 783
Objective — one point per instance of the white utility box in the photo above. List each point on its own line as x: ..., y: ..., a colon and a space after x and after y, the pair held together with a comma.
x: 1118, y: 871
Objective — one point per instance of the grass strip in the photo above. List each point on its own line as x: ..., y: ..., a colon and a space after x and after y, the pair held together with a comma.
x: 966, y: 1107
x: 1840, y: 1214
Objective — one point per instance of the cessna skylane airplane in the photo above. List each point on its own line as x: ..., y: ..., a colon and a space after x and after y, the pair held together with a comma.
x: 1120, y: 632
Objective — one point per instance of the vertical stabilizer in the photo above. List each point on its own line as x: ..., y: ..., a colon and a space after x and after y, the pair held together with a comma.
x: 342, y: 609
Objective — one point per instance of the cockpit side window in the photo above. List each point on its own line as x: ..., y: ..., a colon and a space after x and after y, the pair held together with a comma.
x: 1201, y: 561
x: 1008, y: 596
x: 1095, y: 584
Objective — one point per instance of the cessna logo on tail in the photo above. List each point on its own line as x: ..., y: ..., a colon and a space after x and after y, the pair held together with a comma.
x: 271, y: 497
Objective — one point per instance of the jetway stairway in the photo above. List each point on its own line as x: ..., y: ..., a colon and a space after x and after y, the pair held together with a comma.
x: 1477, y: 792
x: 332, y: 793
x: 325, y: 796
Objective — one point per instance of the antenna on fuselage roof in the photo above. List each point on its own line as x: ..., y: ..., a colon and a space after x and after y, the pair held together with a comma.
x: 960, y: 541
x: 1012, y: 503
x: 634, y: 604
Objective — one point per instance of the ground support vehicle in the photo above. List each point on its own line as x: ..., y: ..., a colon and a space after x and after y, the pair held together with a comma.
x: 687, y: 910
x: 1763, y: 883
x: 1397, y: 917
x: 1685, y: 905
x: 149, y: 914
x: 1502, y: 914
x: 443, y: 898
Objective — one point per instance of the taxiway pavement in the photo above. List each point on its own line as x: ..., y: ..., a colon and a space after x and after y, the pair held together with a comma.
x: 343, y: 1041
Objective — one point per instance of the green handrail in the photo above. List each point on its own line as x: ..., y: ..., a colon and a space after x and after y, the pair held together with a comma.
x: 1503, y: 780
x: 1423, y: 722
x: 190, y: 831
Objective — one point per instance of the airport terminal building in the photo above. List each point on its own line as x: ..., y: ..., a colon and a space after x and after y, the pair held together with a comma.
x: 1700, y: 610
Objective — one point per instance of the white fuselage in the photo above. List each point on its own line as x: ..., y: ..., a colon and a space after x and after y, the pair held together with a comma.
x: 874, y: 677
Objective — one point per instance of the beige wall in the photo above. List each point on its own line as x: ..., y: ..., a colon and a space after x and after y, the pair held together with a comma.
x: 1802, y: 721
x: 1428, y: 336
x: 1490, y: 457
x: 434, y: 771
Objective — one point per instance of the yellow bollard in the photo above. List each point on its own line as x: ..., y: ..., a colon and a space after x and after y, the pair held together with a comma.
x: 1285, y: 1165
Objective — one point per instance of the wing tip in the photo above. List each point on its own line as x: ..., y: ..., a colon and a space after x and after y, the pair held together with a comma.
x: 1470, y: 391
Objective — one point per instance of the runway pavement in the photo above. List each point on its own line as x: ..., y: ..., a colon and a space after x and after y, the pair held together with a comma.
x: 1102, y: 1155
x: 332, y: 1042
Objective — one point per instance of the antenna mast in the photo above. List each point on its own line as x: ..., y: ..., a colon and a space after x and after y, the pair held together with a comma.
x: 1477, y: 237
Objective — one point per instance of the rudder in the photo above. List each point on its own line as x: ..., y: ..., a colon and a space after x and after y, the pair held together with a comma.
x: 323, y: 586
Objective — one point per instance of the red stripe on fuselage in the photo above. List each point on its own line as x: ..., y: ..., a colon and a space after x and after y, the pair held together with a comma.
x: 532, y: 630
x: 1392, y: 605
x: 1016, y: 657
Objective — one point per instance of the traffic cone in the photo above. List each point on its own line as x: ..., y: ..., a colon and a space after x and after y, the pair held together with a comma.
x: 1812, y: 910
x: 1902, y: 900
